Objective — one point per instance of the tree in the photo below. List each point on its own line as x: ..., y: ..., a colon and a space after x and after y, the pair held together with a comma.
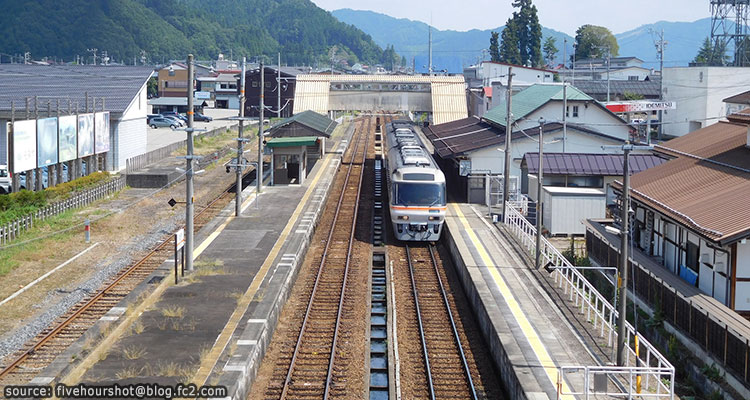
x: 712, y: 55
x: 593, y: 41
x: 494, y: 47
x: 522, y: 36
x: 550, y: 50
x: 509, y: 52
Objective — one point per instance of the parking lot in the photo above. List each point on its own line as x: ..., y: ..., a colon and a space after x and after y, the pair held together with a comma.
x: 160, y: 137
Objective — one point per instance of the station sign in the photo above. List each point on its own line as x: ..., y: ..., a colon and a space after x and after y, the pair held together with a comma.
x: 179, y: 239
x: 641, y: 106
x: 203, y: 95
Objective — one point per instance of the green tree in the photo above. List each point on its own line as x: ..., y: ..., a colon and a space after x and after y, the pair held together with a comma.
x: 522, y: 36
x: 592, y: 41
x: 550, y: 50
x: 509, y: 51
x: 495, y: 47
x: 712, y: 55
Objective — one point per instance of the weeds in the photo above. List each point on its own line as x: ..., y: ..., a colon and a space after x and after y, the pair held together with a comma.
x: 128, y: 373
x: 133, y: 352
x: 173, y: 312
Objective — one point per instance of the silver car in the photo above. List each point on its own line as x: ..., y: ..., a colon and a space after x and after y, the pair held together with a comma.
x: 157, y: 122
x: 5, y: 180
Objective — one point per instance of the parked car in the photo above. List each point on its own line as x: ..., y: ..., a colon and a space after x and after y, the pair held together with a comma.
x: 175, y: 115
x: 202, y: 118
x: 5, y: 180
x: 158, y: 122
x: 176, y: 120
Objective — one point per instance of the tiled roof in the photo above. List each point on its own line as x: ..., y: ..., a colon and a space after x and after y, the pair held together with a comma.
x: 742, y: 98
x: 312, y: 120
x: 458, y: 137
x: 118, y: 85
x: 530, y: 99
x: 589, y: 164
x: 598, y: 88
x: 706, y: 187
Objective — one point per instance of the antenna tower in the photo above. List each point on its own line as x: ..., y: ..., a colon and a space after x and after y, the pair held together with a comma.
x: 729, y: 20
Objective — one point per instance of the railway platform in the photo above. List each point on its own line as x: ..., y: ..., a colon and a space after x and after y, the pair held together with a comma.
x: 211, y: 328
x: 528, y: 336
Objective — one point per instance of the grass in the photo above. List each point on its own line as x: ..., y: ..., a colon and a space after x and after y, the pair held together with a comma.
x: 12, y: 256
x: 204, y: 268
x: 138, y: 327
x: 128, y: 373
x: 173, y: 312
x: 133, y: 352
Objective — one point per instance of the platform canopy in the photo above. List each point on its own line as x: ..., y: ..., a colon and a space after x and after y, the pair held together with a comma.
x: 292, y: 141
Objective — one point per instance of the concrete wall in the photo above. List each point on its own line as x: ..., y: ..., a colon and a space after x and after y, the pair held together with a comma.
x: 699, y: 92
x: 394, y: 101
x: 491, y: 72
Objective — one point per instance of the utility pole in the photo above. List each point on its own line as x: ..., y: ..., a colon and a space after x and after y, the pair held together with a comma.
x: 623, y: 283
x: 278, y: 88
x: 565, y: 115
x: 240, y: 140
x: 508, y: 134
x: 429, y: 45
x: 609, y: 58
x: 259, y: 174
x: 189, y: 172
x: 539, y: 188
x: 660, y: 45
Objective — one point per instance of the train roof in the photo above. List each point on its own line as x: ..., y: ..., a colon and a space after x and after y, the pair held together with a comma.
x: 405, y: 148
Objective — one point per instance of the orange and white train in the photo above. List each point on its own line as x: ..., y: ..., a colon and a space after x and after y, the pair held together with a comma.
x: 416, y: 185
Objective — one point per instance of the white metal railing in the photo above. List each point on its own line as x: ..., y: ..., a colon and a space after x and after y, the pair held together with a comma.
x: 597, y: 308
x: 596, y: 381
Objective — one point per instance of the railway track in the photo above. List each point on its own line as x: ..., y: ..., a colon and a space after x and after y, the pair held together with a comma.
x: 446, y: 367
x: 54, y: 340
x: 307, y: 368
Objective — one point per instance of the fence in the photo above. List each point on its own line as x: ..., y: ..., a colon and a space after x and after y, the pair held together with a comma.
x: 13, y: 229
x: 658, y: 371
x: 141, y: 161
x: 729, y: 348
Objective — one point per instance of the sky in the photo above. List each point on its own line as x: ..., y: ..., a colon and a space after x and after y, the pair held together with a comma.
x: 562, y: 15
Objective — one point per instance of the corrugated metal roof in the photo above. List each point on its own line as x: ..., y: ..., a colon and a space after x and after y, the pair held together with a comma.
x: 589, y: 164
x: 530, y: 99
x: 448, y: 92
x: 311, y: 119
x: 598, y: 88
x: 458, y: 137
x: 118, y: 85
x: 742, y: 98
x: 707, y: 186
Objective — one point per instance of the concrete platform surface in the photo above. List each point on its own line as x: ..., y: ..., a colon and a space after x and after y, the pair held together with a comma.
x: 527, y: 336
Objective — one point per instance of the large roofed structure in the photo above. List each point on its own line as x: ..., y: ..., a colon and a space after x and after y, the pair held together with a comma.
x: 443, y: 96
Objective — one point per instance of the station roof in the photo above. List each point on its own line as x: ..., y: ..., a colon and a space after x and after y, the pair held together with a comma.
x: 292, y: 141
x: 705, y: 186
x: 312, y: 92
x: 586, y: 164
x: 117, y: 85
x: 310, y: 119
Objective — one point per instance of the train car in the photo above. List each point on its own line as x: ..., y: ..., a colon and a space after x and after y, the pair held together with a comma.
x: 416, y: 186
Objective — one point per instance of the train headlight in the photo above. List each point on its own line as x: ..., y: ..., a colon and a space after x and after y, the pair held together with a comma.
x: 403, y: 217
x: 434, y: 218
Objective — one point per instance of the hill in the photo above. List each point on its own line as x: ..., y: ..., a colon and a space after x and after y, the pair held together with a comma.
x: 452, y: 50
x: 168, y: 29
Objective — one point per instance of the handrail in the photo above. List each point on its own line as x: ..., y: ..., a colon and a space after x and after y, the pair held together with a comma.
x: 594, y: 304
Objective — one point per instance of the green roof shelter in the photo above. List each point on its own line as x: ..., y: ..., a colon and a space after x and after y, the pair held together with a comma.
x: 289, y: 158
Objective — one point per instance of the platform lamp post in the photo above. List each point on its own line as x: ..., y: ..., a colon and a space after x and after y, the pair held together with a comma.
x: 539, y: 188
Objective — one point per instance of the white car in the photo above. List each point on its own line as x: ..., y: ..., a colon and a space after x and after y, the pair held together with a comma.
x: 5, y: 180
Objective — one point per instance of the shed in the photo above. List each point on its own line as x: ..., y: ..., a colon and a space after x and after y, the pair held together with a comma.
x: 306, y: 124
x: 289, y: 158
x: 565, y: 209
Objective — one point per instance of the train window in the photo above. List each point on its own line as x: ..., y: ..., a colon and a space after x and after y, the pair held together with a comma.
x: 419, y: 177
x: 419, y: 194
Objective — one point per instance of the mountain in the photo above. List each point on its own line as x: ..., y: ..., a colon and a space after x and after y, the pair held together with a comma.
x: 452, y: 50
x: 167, y: 29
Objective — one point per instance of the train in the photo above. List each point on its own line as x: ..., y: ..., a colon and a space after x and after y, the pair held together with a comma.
x: 416, y: 185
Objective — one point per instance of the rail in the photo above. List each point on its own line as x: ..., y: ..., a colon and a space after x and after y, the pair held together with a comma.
x: 598, y: 310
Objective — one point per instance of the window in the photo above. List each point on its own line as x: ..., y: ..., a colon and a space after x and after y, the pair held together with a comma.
x: 632, y: 77
x: 575, y: 111
x: 171, y: 72
x: 567, y: 111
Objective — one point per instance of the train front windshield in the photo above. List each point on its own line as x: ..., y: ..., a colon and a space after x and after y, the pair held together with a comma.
x: 419, y: 194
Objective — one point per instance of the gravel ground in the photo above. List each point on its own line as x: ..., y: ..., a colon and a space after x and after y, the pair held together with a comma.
x: 124, y: 238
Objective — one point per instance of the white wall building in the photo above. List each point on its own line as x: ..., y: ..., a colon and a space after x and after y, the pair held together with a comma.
x: 699, y: 93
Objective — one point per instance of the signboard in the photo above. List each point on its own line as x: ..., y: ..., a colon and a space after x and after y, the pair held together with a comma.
x: 85, y: 135
x: 179, y: 239
x: 67, y: 136
x: 203, y: 95
x: 464, y: 167
x: 641, y: 106
x: 46, y: 141
x: 24, y: 145
x: 101, y: 132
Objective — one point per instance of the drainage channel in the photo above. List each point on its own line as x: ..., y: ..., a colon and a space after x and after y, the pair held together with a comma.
x: 379, y: 375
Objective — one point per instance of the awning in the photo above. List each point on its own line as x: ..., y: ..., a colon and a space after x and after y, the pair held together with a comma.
x: 292, y: 141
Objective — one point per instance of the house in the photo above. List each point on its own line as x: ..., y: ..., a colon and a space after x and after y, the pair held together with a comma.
x: 699, y: 92
x: 273, y: 88
x: 691, y: 213
x: 735, y: 104
x: 226, y: 94
x: 39, y: 91
x: 620, y: 68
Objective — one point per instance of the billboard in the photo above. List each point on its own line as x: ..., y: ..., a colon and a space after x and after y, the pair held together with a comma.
x: 24, y: 145
x: 67, y: 137
x: 46, y: 141
x: 641, y: 106
x: 85, y: 135
x: 101, y: 129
